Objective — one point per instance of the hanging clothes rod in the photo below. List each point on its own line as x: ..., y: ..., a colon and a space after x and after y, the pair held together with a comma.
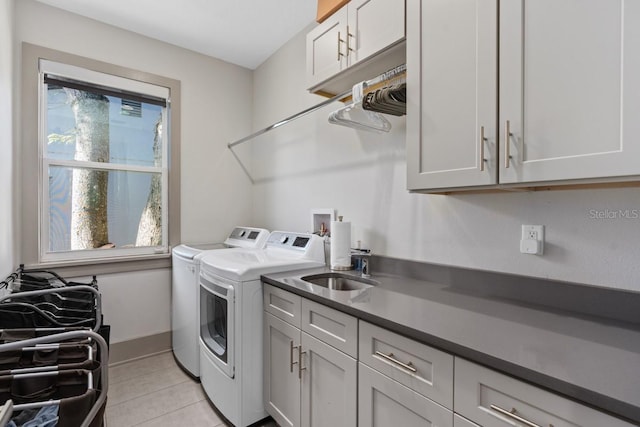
x: 291, y: 118
x: 392, y: 73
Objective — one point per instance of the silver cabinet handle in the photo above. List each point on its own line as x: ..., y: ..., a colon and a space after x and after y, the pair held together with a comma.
x: 340, y: 41
x: 482, y: 141
x: 349, y: 35
x: 390, y: 358
x: 291, y: 362
x: 512, y: 414
x: 300, y: 368
x: 507, y: 140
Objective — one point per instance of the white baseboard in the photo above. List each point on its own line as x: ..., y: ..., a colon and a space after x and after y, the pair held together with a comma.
x: 140, y: 347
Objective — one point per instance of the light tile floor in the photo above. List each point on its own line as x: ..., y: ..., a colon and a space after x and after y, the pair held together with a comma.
x: 154, y: 391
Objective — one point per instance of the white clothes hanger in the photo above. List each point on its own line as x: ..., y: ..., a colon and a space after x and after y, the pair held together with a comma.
x: 354, y: 116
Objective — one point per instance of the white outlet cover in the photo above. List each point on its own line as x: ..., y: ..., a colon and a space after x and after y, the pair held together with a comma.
x: 532, y: 239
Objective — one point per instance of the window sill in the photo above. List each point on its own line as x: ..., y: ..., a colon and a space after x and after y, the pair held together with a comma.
x: 93, y: 267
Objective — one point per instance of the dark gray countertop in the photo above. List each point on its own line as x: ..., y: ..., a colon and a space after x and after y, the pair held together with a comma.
x: 582, y: 342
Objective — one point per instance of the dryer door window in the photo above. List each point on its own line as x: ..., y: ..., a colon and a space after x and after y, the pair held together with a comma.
x: 216, y: 334
x: 216, y: 322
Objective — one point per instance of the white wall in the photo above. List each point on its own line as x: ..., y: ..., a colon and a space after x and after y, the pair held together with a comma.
x: 311, y: 164
x: 8, y: 240
x: 135, y: 303
x: 216, y: 108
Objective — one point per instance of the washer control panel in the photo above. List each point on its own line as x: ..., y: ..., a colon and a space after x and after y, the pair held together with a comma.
x: 297, y: 245
x: 290, y: 240
x: 248, y: 237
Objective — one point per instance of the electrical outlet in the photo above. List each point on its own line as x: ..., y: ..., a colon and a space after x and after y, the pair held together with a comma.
x: 532, y: 239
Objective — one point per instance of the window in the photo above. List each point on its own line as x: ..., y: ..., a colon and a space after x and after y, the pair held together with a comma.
x: 103, y: 146
x: 123, y: 140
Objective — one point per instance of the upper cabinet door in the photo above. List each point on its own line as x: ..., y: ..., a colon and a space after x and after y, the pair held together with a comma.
x: 452, y: 93
x: 373, y: 25
x: 569, y: 89
x: 360, y: 41
x: 327, y: 48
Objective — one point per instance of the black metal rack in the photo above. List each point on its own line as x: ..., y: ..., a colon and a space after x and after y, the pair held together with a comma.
x: 53, y: 349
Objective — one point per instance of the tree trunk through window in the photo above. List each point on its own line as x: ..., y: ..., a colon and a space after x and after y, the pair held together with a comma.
x: 150, y: 226
x: 89, y: 227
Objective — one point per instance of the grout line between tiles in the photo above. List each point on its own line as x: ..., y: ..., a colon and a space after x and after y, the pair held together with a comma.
x: 144, y: 375
x: 135, y: 359
x: 140, y: 359
x: 176, y: 410
x: 162, y: 369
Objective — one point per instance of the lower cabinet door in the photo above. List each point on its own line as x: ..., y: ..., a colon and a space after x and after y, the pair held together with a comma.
x: 281, y: 383
x: 385, y: 402
x: 459, y: 421
x: 493, y: 399
x: 329, y: 385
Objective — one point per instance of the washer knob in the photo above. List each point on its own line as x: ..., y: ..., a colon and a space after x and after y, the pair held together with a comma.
x: 284, y: 239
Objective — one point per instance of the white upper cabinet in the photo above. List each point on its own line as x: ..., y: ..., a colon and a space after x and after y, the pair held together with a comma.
x: 353, y: 35
x: 562, y: 111
x: 452, y: 80
x: 372, y: 26
x: 569, y: 89
x: 327, y: 48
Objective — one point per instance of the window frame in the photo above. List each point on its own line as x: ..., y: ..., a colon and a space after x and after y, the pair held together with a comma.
x: 34, y: 209
x: 98, y: 80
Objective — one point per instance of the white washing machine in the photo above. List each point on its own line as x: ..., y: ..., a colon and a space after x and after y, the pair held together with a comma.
x: 185, y: 296
x: 231, y: 319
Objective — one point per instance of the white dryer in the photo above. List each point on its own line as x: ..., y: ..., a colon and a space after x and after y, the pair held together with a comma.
x: 231, y: 319
x: 185, y: 296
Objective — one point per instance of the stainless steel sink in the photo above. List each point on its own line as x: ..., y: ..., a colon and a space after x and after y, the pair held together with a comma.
x: 339, y: 281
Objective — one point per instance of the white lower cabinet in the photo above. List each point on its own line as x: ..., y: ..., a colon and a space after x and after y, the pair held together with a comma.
x: 420, y: 367
x: 325, y: 368
x: 281, y: 384
x: 459, y: 421
x: 402, y: 382
x: 385, y: 402
x: 308, y: 382
x: 329, y: 385
x: 492, y: 399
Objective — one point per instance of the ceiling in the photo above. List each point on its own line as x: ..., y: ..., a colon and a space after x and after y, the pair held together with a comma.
x: 243, y: 32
